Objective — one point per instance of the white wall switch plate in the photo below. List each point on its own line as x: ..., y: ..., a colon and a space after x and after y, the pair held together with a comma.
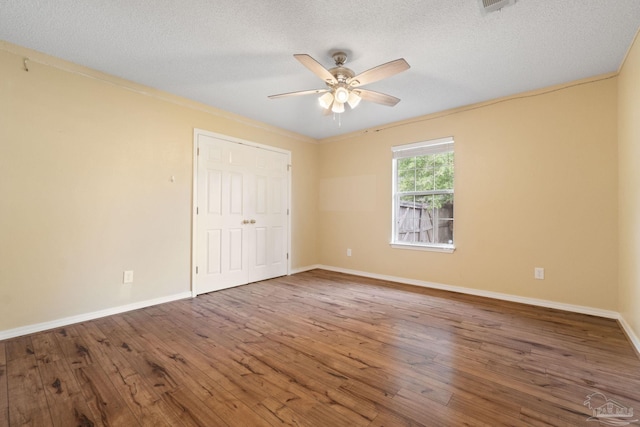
x: 538, y: 273
x: 348, y: 252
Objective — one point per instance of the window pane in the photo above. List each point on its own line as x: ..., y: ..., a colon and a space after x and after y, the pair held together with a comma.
x: 407, y: 174
x: 407, y: 163
x: 425, y: 219
x: 407, y: 181
x: 443, y: 202
x: 445, y: 231
x: 442, y: 214
x: 406, y: 219
x: 430, y: 167
x: 443, y: 171
x: 424, y: 179
x: 414, y: 219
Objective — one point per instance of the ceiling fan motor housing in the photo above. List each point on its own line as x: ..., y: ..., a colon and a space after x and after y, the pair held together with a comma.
x: 340, y: 72
x: 340, y: 58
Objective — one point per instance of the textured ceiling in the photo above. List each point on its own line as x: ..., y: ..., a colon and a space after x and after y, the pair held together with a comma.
x: 232, y: 54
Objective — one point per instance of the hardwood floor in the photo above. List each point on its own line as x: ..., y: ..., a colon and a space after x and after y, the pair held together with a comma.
x: 321, y: 349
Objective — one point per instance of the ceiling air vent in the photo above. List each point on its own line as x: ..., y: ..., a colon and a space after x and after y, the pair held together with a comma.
x: 488, y: 6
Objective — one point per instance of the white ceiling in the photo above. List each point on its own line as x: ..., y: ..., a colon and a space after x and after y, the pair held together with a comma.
x: 232, y: 54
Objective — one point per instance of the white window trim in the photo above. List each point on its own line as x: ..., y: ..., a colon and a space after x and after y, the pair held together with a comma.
x: 447, y: 249
x: 433, y: 146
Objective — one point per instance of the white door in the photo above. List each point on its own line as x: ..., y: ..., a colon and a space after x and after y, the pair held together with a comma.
x: 268, y: 242
x: 242, y: 218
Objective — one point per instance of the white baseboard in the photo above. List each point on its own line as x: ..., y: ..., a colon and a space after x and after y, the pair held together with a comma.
x: 609, y: 314
x: 635, y: 341
x: 303, y: 269
x: 488, y: 294
x: 39, y: 327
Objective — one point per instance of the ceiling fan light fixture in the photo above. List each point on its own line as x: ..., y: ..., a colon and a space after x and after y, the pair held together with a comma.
x: 338, y: 107
x: 341, y: 95
x: 354, y: 100
x: 326, y: 100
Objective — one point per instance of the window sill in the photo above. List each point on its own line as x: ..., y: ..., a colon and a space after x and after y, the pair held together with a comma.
x: 443, y: 249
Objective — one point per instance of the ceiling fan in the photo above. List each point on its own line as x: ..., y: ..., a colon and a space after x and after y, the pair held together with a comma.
x: 343, y: 85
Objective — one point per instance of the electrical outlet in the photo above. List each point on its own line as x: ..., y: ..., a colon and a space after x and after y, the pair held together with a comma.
x: 348, y: 252
x: 127, y: 277
x: 538, y: 273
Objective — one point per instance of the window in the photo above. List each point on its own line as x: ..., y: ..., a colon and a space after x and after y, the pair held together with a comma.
x: 423, y: 195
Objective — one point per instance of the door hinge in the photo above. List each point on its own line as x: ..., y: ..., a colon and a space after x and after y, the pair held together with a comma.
x: 287, y: 255
x: 197, y: 210
x: 198, y: 152
x: 287, y: 211
x: 196, y: 269
x: 288, y: 167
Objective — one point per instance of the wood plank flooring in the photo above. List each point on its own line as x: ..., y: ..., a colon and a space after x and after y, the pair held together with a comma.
x: 321, y: 349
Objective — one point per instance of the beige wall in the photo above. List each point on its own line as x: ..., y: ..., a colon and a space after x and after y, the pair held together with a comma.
x: 86, y: 189
x: 86, y: 192
x: 536, y: 179
x: 629, y: 187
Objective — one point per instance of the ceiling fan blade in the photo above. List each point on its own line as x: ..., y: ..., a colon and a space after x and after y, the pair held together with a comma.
x: 378, y: 73
x: 301, y: 92
x: 316, y: 68
x: 377, y: 97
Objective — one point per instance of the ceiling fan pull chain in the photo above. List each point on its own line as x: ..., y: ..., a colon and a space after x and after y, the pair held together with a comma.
x: 339, y: 119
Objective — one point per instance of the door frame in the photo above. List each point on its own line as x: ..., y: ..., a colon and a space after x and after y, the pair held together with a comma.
x: 194, y: 197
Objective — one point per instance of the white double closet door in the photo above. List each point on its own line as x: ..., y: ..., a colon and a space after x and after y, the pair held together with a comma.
x: 241, y: 233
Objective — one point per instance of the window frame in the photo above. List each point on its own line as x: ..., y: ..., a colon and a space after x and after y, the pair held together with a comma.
x: 429, y: 147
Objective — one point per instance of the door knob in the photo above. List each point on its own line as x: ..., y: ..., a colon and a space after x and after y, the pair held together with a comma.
x: 245, y: 221
x: 253, y: 221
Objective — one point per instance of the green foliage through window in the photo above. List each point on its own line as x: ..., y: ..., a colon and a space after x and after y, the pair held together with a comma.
x: 427, y: 173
